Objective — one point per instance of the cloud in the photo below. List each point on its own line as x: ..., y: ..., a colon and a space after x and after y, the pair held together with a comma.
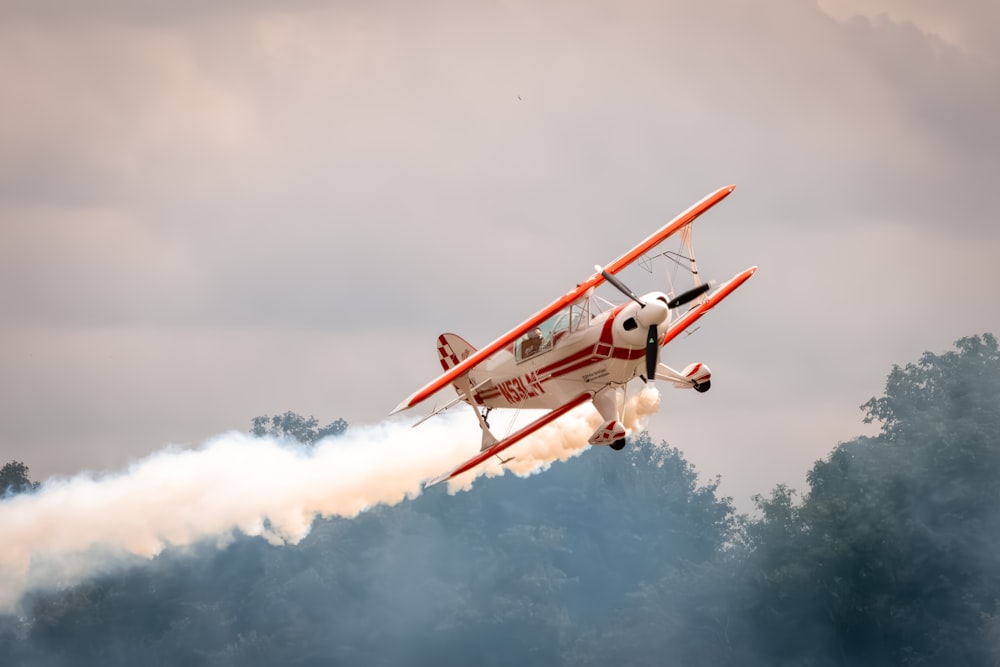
x: 328, y: 186
x: 963, y: 25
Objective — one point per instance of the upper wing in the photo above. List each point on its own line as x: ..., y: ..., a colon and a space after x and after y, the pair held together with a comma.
x: 473, y: 360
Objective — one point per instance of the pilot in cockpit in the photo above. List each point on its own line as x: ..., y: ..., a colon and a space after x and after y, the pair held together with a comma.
x: 532, y: 344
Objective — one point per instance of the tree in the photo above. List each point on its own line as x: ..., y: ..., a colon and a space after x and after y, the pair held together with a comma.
x: 891, y: 558
x: 512, y: 572
x: 14, y: 479
x: 955, y: 391
x: 292, y: 425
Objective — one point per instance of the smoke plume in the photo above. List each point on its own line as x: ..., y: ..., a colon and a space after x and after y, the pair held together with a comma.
x: 74, y: 528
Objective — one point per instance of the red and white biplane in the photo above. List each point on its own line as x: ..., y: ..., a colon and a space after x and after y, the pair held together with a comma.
x: 568, y: 353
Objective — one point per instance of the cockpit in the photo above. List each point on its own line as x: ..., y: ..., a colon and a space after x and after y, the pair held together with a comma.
x: 552, y: 331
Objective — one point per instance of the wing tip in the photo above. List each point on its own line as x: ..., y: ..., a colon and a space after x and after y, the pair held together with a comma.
x: 437, y: 480
x: 405, y: 405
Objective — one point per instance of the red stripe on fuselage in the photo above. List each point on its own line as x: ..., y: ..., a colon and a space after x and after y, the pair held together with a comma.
x: 580, y: 359
x: 607, y: 337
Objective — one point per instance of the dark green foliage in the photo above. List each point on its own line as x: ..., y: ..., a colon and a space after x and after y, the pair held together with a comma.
x: 947, y: 397
x: 889, y: 558
x: 296, y: 427
x: 892, y: 556
x: 508, y: 573
x: 14, y: 479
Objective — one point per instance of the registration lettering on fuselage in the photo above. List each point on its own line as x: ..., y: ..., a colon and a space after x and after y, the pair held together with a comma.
x: 521, y: 388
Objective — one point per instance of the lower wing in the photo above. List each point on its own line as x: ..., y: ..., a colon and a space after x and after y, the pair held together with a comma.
x: 690, y: 317
x: 496, y: 448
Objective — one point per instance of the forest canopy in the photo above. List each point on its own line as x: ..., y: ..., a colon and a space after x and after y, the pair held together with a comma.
x: 888, y: 557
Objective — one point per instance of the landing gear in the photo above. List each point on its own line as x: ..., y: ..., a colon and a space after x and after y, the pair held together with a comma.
x: 488, y: 438
x: 618, y: 445
x: 702, y: 387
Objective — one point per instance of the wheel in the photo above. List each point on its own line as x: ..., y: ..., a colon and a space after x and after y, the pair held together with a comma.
x: 702, y: 387
x: 618, y: 445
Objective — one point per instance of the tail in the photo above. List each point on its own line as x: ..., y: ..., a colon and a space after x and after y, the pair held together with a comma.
x: 452, y: 349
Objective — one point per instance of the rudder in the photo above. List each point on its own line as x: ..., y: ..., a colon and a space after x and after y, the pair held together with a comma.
x: 452, y: 349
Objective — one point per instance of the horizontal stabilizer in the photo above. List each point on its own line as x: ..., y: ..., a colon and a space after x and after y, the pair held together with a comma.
x: 692, y: 377
x: 608, y: 433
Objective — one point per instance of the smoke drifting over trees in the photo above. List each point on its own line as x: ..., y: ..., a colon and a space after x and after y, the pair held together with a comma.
x: 890, y: 556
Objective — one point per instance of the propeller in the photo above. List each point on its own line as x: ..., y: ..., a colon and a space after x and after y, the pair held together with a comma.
x: 690, y: 295
x: 652, y: 334
x: 652, y: 351
x: 622, y: 287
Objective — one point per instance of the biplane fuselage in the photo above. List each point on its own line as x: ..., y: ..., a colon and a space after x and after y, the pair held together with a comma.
x: 581, y: 353
x: 567, y: 354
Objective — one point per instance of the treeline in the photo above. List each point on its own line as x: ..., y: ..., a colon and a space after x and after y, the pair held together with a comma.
x: 890, y: 557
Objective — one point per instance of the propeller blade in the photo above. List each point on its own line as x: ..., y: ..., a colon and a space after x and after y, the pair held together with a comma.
x: 652, y: 352
x: 689, y: 295
x: 622, y: 287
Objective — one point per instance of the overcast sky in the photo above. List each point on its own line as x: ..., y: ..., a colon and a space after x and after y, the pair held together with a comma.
x: 214, y: 210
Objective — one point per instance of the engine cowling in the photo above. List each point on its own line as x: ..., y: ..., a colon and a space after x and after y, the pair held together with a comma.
x: 633, y: 322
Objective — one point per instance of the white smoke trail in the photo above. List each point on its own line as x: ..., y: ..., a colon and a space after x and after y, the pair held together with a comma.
x: 74, y: 528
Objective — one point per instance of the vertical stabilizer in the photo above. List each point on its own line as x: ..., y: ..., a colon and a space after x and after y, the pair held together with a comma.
x: 452, y: 350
